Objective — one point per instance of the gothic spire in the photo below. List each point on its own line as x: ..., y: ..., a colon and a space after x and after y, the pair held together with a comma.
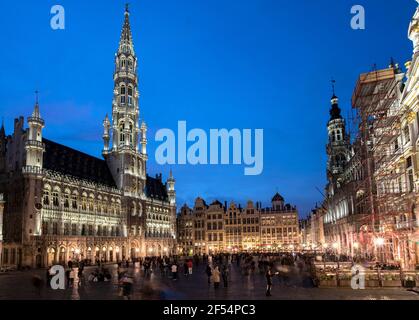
x: 125, y: 44
x: 35, y: 113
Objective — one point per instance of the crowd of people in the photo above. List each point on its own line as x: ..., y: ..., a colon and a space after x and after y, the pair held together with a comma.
x: 288, y: 269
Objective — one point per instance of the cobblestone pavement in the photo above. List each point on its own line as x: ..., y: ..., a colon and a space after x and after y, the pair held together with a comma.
x: 18, y: 285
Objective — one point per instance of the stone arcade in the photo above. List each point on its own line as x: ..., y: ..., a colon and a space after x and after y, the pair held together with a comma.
x: 62, y: 204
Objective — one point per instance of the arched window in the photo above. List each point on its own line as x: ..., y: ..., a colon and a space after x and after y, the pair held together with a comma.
x: 339, y: 135
x: 91, y: 202
x: 130, y: 133
x: 130, y: 96
x: 122, y: 94
x: 122, y: 63
x: 66, y: 198
x: 56, y: 197
x: 46, y: 195
x: 74, y: 200
x: 84, y: 201
x: 121, y: 132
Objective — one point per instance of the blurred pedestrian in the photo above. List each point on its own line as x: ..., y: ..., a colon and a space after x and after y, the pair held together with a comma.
x: 216, y: 277
x: 225, y: 274
x: 190, y: 265
x: 208, y: 271
x: 174, y: 271
x: 37, y: 283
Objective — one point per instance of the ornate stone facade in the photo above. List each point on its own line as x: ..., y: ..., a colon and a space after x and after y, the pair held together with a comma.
x: 220, y: 228
x: 62, y: 204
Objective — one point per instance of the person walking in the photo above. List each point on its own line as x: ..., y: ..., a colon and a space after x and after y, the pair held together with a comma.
x: 225, y: 274
x: 216, y: 277
x: 37, y: 283
x: 190, y: 265
x: 174, y: 271
x: 80, y: 275
x: 268, y: 276
x: 185, y: 268
x: 71, y: 277
x: 48, y: 277
x: 127, y: 283
x: 208, y: 271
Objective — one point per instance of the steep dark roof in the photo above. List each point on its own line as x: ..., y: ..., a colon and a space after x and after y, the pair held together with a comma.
x: 65, y: 160
x: 216, y: 203
x: 277, y: 197
x: 155, y: 188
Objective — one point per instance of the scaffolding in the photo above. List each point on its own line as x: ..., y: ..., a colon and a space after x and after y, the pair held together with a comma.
x: 384, y: 188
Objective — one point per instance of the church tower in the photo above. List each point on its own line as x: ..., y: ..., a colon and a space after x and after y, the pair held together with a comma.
x: 338, y: 145
x: 34, y: 147
x: 171, y: 192
x: 125, y: 158
x: 33, y: 173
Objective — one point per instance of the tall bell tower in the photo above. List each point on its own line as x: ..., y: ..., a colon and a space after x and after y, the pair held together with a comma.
x: 122, y: 133
x: 338, y: 146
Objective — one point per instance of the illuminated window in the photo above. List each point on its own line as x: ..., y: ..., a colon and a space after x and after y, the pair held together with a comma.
x: 74, y: 201
x: 55, y: 200
x: 46, y: 197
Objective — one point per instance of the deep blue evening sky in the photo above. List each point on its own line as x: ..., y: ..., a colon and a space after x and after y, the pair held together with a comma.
x: 214, y: 63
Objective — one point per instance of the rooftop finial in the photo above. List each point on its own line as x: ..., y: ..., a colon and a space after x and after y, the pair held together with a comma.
x: 127, y: 7
x: 333, y: 81
x: 36, y: 97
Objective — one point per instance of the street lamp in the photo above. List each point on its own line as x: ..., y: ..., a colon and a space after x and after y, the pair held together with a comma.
x: 379, y: 241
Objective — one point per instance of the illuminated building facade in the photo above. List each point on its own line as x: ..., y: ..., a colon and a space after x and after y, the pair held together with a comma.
x: 62, y: 204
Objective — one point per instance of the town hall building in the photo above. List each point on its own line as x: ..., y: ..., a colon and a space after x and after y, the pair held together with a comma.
x: 61, y: 204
